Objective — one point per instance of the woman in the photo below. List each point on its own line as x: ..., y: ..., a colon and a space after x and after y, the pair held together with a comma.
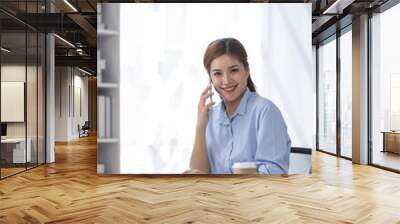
x: 244, y: 127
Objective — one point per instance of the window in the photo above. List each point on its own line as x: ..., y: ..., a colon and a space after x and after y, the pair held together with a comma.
x: 385, y: 88
x: 346, y: 94
x: 327, y: 96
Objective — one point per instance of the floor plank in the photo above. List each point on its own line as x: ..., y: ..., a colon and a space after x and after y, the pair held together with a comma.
x: 70, y: 191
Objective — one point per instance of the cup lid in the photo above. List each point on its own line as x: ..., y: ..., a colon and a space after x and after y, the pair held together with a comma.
x: 244, y: 165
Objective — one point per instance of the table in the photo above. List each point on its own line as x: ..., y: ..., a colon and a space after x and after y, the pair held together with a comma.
x: 391, y: 141
x: 13, y: 150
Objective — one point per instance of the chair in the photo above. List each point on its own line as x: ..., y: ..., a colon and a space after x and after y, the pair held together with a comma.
x: 84, y: 130
x: 300, y: 160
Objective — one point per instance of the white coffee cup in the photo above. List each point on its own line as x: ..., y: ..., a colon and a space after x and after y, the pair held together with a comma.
x: 100, y: 168
x: 244, y: 168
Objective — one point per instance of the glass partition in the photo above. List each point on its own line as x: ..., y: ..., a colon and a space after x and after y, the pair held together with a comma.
x: 13, y: 87
x: 32, y: 90
x: 31, y: 100
x: 22, y: 87
x: 41, y: 86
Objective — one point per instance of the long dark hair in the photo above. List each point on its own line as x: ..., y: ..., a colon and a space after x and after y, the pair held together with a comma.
x: 229, y: 46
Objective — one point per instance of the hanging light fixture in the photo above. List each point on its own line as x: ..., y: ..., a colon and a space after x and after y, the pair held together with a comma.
x: 5, y: 50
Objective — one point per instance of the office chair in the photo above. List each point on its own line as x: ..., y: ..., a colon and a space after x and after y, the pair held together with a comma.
x: 84, y: 130
x: 300, y: 160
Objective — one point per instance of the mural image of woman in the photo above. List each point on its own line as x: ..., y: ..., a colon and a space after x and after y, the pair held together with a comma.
x: 243, y: 127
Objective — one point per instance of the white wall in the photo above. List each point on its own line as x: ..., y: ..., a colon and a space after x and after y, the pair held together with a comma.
x: 68, y: 81
x: 80, y: 83
x: 162, y: 73
x: 61, y: 103
x: 14, y: 72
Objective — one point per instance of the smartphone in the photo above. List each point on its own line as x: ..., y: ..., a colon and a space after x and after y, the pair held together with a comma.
x: 212, y: 90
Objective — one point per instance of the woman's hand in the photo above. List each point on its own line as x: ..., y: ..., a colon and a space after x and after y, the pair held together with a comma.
x: 199, y: 159
x: 194, y: 171
x: 202, y: 113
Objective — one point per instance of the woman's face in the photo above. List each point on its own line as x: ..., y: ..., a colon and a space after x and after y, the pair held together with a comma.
x: 229, y: 77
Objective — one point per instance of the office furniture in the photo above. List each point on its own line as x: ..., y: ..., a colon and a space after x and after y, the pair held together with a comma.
x: 84, y: 130
x: 3, y: 130
x: 108, y: 82
x: 13, y: 150
x: 391, y: 141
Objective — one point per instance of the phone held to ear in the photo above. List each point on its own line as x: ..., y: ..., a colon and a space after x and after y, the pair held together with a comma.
x: 213, y: 90
x: 210, y: 97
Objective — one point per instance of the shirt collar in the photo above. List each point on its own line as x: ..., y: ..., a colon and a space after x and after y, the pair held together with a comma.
x: 241, y: 109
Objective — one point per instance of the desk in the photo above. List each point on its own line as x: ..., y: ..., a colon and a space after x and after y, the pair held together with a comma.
x: 15, y: 148
x: 391, y: 141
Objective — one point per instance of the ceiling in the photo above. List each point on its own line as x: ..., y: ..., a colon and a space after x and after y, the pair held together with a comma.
x: 76, y: 25
x: 332, y: 15
x: 76, y: 20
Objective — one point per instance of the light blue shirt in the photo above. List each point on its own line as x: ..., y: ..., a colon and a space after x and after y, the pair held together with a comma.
x: 256, y: 132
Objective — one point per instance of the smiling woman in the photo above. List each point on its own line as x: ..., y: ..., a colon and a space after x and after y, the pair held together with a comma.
x: 244, y: 130
x: 162, y: 75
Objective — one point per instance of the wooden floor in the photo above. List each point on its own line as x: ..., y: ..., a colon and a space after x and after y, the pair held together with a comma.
x: 5, y: 172
x: 10, y: 171
x: 70, y: 191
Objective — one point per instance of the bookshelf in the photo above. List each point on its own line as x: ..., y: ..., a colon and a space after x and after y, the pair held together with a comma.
x: 108, y: 134
x: 106, y: 33
x: 108, y: 140
x: 107, y: 85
